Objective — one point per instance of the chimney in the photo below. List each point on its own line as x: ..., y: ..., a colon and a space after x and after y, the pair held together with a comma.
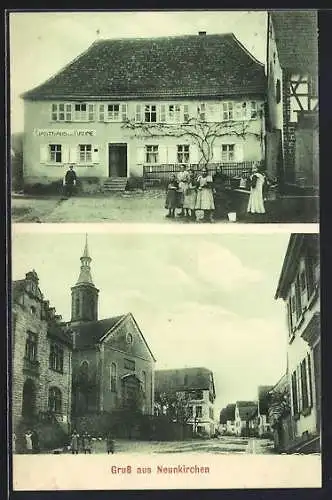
x: 202, y: 33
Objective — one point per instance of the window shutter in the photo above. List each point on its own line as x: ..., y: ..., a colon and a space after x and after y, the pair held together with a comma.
x: 162, y: 154
x: 140, y: 155
x: 216, y: 154
x: 309, y: 380
x: 65, y: 153
x: 239, y: 153
x: 162, y: 113
x: 194, y: 154
x: 298, y: 298
x: 44, y: 156
x: 172, y: 156
x: 95, y: 154
x: 101, y: 112
x: 124, y: 112
x: 299, y: 392
x: 138, y: 113
x: 73, y: 154
x: 289, y: 317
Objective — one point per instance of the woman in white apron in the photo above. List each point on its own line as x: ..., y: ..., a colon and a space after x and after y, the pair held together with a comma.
x: 256, y: 201
x: 204, y: 200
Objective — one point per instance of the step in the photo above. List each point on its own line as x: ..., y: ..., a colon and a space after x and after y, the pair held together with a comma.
x: 115, y: 184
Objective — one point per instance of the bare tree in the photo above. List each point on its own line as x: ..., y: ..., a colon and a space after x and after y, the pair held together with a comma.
x: 175, y: 405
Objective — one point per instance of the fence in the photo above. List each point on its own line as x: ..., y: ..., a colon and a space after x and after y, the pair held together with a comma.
x: 159, y: 175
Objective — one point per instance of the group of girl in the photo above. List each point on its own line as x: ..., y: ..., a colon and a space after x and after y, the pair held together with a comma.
x: 204, y: 193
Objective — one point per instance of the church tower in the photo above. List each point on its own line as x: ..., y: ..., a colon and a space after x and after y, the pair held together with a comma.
x: 84, y: 295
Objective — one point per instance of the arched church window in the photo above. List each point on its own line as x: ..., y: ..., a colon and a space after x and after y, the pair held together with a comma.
x: 54, y: 400
x: 113, y: 377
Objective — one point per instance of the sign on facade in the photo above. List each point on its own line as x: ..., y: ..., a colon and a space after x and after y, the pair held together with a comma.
x: 44, y: 132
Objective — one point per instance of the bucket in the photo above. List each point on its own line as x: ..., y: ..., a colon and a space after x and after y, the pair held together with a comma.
x: 232, y: 216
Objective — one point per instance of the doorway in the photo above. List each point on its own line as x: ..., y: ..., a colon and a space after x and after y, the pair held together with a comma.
x: 29, y: 399
x: 117, y: 160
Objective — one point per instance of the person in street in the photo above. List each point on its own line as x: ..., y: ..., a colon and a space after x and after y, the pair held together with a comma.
x: 172, y: 196
x: 204, y: 199
x: 28, y: 441
x: 219, y: 194
x: 109, y: 443
x: 74, y: 444
x: 86, y: 443
x: 35, y: 441
x: 69, y: 181
x: 256, y: 201
x: 183, y: 180
x: 190, y: 195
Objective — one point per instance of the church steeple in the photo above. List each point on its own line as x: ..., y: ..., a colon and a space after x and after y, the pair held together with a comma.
x: 84, y: 304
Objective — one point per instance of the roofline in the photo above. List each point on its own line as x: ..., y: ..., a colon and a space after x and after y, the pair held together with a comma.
x: 247, y: 51
x: 22, y: 96
x: 294, y: 244
x: 207, y: 96
x: 187, y: 368
x: 122, y: 317
x: 147, y: 345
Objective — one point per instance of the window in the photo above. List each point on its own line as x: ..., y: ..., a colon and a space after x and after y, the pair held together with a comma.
x: 54, y: 400
x: 183, y: 153
x: 83, y: 112
x: 304, y: 385
x: 129, y: 364
x: 227, y: 111
x: 202, y: 112
x: 310, y: 265
x: 85, y: 153
x: 190, y: 411
x: 197, y: 394
x: 199, y: 411
x: 113, y: 112
x: 61, y: 112
x: 56, y: 358
x: 150, y: 113
x: 101, y: 112
x: 32, y: 310
x: 253, y: 110
x: 113, y: 377
x: 151, y: 154
x: 227, y: 152
x: 55, y: 153
x: 31, y: 347
x: 174, y: 113
x: 211, y: 412
x: 138, y: 113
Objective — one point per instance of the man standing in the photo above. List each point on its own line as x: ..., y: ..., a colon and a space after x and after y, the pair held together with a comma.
x: 69, y: 181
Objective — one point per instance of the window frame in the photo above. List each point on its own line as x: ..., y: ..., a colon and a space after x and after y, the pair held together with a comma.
x: 55, y: 400
x: 227, y: 152
x: 153, y: 153
x: 129, y: 364
x: 52, y: 154
x: 113, y: 377
x: 31, y: 346
x: 183, y: 153
x: 150, y: 112
x: 56, y: 357
x: 227, y: 111
x: 85, y: 156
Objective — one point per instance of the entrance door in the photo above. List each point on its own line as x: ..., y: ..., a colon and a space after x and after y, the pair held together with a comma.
x: 117, y: 160
x: 29, y: 399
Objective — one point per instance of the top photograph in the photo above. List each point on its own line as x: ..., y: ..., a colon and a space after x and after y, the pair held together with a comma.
x: 164, y: 117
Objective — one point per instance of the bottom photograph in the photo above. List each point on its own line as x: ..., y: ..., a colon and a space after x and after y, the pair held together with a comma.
x: 151, y: 344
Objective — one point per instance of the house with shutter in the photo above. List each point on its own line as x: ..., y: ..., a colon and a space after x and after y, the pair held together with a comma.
x: 113, y: 366
x: 299, y: 288
x: 292, y: 101
x: 41, y: 361
x: 227, y: 419
x: 194, y: 389
x: 128, y: 109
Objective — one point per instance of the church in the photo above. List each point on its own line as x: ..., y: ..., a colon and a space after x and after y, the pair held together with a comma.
x: 112, y: 364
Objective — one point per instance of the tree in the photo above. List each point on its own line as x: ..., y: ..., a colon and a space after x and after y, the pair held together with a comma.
x: 174, y: 405
x: 202, y: 132
x: 279, y: 405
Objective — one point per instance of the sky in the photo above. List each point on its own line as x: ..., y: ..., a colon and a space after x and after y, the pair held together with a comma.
x: 200, y: 299
x: 41, y: 44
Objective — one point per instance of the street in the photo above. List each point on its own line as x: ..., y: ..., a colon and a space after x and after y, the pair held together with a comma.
x: 223, y: 445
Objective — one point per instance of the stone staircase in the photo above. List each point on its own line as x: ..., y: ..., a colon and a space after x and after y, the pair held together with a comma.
x: 115, y: 184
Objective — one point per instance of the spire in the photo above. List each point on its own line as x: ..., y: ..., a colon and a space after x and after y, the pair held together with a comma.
x: 85, y: 272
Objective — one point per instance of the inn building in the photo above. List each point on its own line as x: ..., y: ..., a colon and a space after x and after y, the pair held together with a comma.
x: 132, y: 109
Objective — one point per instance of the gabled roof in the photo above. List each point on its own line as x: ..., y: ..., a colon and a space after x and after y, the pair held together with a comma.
x: 182, y: 379
x: 88, y: 334
x: 247, y: 409
x: 181, y: 66
x: 296, y: 34
x: 227, y: 413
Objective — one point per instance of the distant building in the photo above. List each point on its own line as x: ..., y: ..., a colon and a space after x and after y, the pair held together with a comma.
x: 113, y: 367
x: 41, y: 359
x: 195, y: 386
x: 292, y: 147
x: 245, y: 417
x: 263, y: 424
x: 299, y: 287
x: 132, y: 108
x: 227, y: 419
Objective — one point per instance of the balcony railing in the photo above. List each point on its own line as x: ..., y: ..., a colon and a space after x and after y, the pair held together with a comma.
x: 31, y: 366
